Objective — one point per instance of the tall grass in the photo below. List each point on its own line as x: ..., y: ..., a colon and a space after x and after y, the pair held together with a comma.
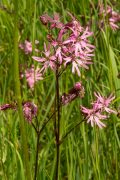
x: 86, y: 153
x: 18, y: 95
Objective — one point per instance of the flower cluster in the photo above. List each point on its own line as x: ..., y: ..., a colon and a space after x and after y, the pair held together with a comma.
x: 109, y: 15
x: 29, y: 109
x: 100, y: 110
x: 71, y: 46
x: 76, y: 91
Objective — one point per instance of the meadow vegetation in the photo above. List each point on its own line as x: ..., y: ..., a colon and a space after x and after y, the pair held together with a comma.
x: 59, y: 90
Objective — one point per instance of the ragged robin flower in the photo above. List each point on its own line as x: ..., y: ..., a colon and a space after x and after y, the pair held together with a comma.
x: 100, y: 110
x: 71, y: 45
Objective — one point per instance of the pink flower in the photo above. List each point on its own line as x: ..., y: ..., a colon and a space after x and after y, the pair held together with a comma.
x: 94, y: 117
x: 27, y: 47
x: 103, y: 102
x: 99, y: 111
x: 59, y: 55
x: 47, y: 60
x: 80, y: 50
x: 110, y: 16
x: 32, y: 76
x: 54, y: 21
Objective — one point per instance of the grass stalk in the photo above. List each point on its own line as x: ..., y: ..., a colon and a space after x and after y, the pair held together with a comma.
x: 18, y: 95
x: 37, y: 154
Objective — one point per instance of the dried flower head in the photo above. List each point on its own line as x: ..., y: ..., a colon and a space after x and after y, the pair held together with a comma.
x: 7, y: 106
x: 30, y: 111
x: 76, y: 91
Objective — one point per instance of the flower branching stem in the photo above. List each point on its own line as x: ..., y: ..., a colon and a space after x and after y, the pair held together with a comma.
x: 66, y: 135
x: 38, y: 132
x: 57, y: 125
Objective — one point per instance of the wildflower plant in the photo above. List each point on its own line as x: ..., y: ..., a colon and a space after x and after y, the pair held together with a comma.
x: 109, y: 16
x: 68, y: 46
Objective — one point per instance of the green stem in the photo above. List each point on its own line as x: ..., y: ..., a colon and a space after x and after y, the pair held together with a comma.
x: 18, y: 95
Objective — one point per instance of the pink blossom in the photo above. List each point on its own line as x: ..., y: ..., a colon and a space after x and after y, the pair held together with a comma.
x: 99, y: 111
x: 110, y: 16
x: 32, y: 76
x: 103, y: 102
x: 54, y: 21
x: 80, y: 50
x: 27, y: 47
x: 59, y: 54
x: 94, y: 117
x: 48, y: 60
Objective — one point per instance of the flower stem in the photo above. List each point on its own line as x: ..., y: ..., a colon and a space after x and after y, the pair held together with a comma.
x: 57, y: 125
x: 64, y: 137
x: 18, y: 95
x: 38, y: 132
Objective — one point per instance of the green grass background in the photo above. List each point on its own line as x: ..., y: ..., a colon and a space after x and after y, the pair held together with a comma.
x: 87, y: 153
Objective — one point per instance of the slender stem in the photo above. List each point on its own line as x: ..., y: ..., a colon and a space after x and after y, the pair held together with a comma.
x: 18, y: 95
x: 64, y: 137
x: 46, y: 122
x: 37, y: 153
x: 61, y: 72
x: 34, y: 127
x: 57, y: 128
x: 38, y: 132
